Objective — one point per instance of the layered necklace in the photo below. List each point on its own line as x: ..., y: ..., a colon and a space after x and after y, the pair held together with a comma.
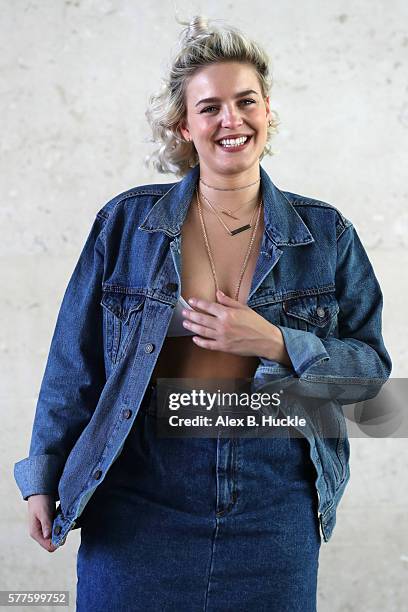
x: 230, y: 232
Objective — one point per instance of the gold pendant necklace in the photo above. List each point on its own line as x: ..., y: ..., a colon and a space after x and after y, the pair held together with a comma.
x: 210, y: 257
x: 237, y: 230
x: 227, y: 211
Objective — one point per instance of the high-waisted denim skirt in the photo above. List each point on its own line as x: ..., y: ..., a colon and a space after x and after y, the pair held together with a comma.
x: 201, y: 524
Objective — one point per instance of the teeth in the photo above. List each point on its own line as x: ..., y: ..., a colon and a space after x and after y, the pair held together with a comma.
x: 233, y: 142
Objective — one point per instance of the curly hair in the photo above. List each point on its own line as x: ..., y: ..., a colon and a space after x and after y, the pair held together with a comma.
x: 200, y: 44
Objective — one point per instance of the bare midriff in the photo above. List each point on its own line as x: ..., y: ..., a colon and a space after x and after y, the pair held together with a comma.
x: 180, y: 357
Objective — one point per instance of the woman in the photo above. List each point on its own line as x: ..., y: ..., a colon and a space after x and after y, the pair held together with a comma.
x: 203, y: 523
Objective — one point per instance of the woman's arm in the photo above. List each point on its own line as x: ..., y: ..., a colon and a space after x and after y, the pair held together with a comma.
x: 357, y: 361
x: 74, y: 374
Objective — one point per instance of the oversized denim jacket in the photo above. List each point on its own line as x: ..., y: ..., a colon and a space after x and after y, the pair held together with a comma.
x: 312, y: 279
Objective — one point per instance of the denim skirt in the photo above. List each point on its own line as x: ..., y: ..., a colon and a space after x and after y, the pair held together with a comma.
x: 201, y: 524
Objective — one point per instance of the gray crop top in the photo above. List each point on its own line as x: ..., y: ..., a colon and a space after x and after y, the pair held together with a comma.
x: 176, y: 327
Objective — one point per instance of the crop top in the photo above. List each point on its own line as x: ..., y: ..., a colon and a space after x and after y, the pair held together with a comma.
x: 176, y: 327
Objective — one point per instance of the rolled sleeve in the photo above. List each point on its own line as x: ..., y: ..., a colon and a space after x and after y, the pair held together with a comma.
x: 304, y: 349
x: 38, y: 475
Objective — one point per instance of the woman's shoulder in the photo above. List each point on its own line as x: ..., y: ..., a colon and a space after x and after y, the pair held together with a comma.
x: 134, y: 196
x: 318, y: 212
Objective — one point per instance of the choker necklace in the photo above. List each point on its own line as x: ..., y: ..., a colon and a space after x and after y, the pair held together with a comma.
x: 230, y: 189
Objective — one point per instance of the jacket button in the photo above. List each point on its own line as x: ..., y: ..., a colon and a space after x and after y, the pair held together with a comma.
x: 97, y: 474
x: 57, y: 529
x: 127, y: 413
x: 172, y: 286
x: 320, y: 312
x: 149, y: 347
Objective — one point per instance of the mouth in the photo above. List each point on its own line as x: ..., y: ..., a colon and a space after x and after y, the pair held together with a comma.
x: 233, y: 145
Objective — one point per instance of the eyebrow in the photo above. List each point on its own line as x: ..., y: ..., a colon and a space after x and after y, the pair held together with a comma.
x: 238, y: 95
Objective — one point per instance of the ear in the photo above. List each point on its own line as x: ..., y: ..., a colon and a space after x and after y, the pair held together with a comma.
x: 268, y: 108
x: 183, y: 129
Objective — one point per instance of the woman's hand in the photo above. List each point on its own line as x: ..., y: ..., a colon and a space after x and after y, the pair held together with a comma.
x: 41, y: 512
x: 232, y: 327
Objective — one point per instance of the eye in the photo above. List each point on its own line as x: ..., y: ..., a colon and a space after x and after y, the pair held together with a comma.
x: 208, y: 108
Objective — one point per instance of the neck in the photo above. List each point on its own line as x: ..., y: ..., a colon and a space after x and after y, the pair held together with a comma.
x: 237, y: 186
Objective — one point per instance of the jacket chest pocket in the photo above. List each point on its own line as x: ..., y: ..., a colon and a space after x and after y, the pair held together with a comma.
x: 122, y: 315
x: 313, y: 313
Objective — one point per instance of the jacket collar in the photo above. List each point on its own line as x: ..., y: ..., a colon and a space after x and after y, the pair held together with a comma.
x: 283, y: 224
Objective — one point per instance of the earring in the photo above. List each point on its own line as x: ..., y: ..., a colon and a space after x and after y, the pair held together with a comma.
x: 270, y: 123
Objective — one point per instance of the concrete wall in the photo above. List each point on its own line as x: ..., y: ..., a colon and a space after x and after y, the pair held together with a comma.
x: 76, y: 76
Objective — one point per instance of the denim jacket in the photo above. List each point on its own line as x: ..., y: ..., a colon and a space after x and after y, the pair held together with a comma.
x: 312, y: 279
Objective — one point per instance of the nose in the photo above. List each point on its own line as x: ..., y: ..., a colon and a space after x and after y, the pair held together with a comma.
x: 231, y: 117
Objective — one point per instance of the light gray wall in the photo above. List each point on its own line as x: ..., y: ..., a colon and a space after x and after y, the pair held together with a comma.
x: 76, y: 76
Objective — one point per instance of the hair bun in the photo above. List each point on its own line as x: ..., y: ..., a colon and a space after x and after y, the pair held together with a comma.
x: 197, y: 28
x: 198, y: 25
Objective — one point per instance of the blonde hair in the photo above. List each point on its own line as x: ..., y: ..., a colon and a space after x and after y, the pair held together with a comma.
x: 200, y: 44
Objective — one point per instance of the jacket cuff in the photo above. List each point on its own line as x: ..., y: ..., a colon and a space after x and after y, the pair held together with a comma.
x: 304, y: 349
x: 38, y: 475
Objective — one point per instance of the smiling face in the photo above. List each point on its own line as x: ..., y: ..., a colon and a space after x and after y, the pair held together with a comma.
x: 235, y: 108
